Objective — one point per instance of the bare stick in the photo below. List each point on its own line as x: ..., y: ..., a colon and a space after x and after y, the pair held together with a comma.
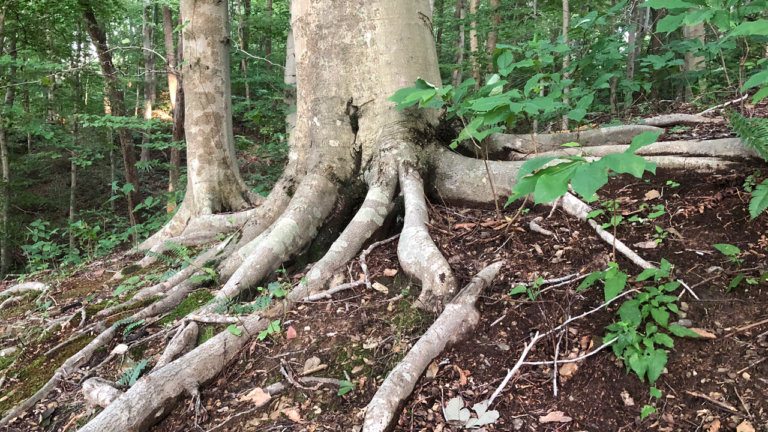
x: 554, y: 365
x: 687, y: 289
x: 330, y: 292
x: 724, y: 105
x: 514, y: 370
x: 577, y: 359
x: 364, y: 265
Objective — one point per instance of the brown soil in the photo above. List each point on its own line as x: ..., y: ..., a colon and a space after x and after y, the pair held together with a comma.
x: 360, y: 335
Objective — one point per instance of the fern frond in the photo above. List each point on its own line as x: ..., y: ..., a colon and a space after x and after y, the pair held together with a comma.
x: 129, y: 377
x: 131, y: 327
x: 753, y: 132
x: 123, y: 322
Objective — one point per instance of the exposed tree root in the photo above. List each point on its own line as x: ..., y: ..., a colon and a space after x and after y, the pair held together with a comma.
x: 535, y: 227
x: 464, y: 180
x: 499, y: 144
x: 720, y: 148
x: 458, y: 318
x: 183, y: 342
x: 100, y: 392
x: 29, y: 286
x: 10, y: 301
x: 709, y: 110
x: 580, y: 210
x: 193, y: 239
x: 676, y: 119
x: 418, y: 255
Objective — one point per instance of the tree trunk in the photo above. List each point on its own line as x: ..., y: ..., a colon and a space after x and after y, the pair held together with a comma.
x: 460, y: 43
x: 631, y: 39
x: 244, y: 34
x: 440, y: 9
x: 5, y: 189
x: 117, y: 104
x: 268, y: 40
x: 693, y: 62
x: 656, y: 44
x: 566, y: 58
x: 493, y: 35
x: 473, y: 44
x: 149, y: 77
x: 174, y: 91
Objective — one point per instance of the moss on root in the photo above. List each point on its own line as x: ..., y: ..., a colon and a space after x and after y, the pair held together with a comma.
x: 32, y: 375
x: 189, y: 305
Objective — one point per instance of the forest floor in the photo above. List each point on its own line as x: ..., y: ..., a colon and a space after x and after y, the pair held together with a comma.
x: 360, y: 335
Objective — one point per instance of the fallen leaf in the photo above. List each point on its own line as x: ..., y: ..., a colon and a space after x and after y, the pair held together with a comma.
x: 555, y: 417
x: 98, y: 273
x: 745, y: 426
x: 433, y: 369
x: 120, y: 349
x: 675, y: 232
x: 380, y: 288
x: 538, y: 249
x: 652, y: 194
x: 568, y: 369
x: 628, y: 401
x: 650, y: 244
x: 462, y: 375
x: 290, y: 333
x: 714, y: 426
x: 703, y: 333
x: 372, y: 343
x: 310, y: 364
x: 390, y: 272
x: 257, y: 397
x: 293, y: 414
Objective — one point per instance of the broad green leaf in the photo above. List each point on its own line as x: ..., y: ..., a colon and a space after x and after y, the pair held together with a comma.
x: 520, y: 289
x: 489, y: 103
x: 523, y: 187
x: 638, y: 365
x: 504, y: 61
x: 534, y: 164
x: 661, y: 316
x: 571, y: 144
x: 655, y: 392
x: 630, y: 313
x: 532, y: 82
x: 736, y: 281
x: 668, y: 4
x: 670, y: 23
x: 642, y: 140
x: 588, y: 178
x: 760, y: 95
x: 751, y: 28
x: 615, y: 285
x: 662, y: 339
x: 585, y: 102
x: 727, y: 249
x: 759, y: 201
x: 681, y: 331
x: 577, y: 114
x: 234, y: 330
x: 756, y: 80
x: 590, y: 280
x: 646, y: 274
x: 624, y: 163
x: 646, y: 411
x: 656, y: 363
x: 552, y: 186
x: 698, y: 16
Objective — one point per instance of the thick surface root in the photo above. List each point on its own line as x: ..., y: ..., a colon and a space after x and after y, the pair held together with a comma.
x: 418, y: 255
x: 458, y: 318
x: 464, y: 181
x: 720, y: 148
x: 100, y: 392
x: 183, y: 342
x: 500, y: 144
x: 28, y: 286
x: 676, y: 119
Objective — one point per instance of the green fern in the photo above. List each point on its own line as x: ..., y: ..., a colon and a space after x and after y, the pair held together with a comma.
x: 132, y: 327
x: 123, y: 321
x: 759, y: 202
x: 753, y: 132
x: 130, y: 376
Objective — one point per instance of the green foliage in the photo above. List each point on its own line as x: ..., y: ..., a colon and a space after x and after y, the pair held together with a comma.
x: 345, y: 387
x: 753, y: 132
x: 272, y: 328
x: 130, y: 376
x: 533, y: 291
x: 131, y: 327
x: 130, y: 284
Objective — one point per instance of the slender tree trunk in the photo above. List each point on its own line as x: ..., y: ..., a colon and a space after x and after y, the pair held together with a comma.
x: 473, y: 44
x: 693, y: 62
x: 111, y: 145
x: 27, y: 112
x: 460, y: 43
x: 268, y: 40
x: 117, y: 104
x: 566, y: 58
x: 440, y: 9
x: 655, y: 48
x: 631, y: 42
x: 493, y: 35
x: 76, y: 141
x: 5, y: 190
x: 178, y: 115
x: 149, y: 78
x: 244, y: 35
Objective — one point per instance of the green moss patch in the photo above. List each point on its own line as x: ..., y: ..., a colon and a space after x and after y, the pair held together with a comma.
x: 193, y: 302
x: 37, y: 372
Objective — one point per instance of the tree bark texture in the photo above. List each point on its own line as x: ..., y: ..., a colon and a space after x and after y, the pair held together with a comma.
x: 693, y: 62
x: 474, y: 45
x: 149, y: 77
x: 460, y: 43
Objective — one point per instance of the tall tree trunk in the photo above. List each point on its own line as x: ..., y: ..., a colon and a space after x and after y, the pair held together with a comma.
x: 111, y: 145
x: 149, y: 77
x: 440, y: 13
x: 460, y: 43
x: 27, y: 112
x: 493, y: 35
x: 244, y: 34
x: 268, y: 39
x: 174, y: 88
x: 631, y: 42
x: 566, y: 58
x: 117, y: 104
x: 5, y: 189
x: 473, y: 44
x: 76, y: 141
x: 656, y: 44
x: 693, y: 62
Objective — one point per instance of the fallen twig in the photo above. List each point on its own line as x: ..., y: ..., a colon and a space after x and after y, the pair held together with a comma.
x: 514, y: 370
x: 724, y: 104
x: 364, y: 265
x: 755, y: 363
x: 721, y: 405
x: 741, y: 329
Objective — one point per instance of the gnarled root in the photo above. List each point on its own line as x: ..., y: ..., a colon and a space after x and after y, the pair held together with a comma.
x: 193, y: 239
x: 463, y: 180
x: 418, y: 255
x: 29, y: 286
x: 499, y: 144
x: 183, y: 342
x: 458, y: 318
x: 100, y: 392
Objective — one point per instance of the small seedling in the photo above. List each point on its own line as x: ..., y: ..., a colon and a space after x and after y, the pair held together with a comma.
x: 672, y: 184
x: 659, y: 235
x: 345, y: 387
x: 274, y: 327
x: 533, y: 291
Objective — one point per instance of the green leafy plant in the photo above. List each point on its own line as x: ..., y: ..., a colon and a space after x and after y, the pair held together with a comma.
x: 130, y: 284
x: 345, y: 387
x: 533, y: 290
x: 672, y: 184
x: 659, y: 235
x: 130, y: 376
x: 131, y: 327
x: 274, y: 327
